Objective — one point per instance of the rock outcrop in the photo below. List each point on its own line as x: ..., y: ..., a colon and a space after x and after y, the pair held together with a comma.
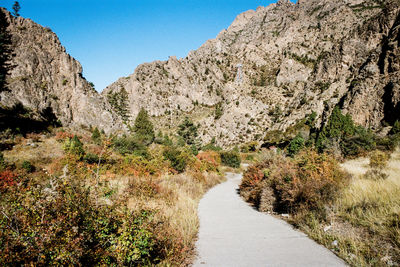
x: 275, y: 65
x: 44, y: 78
x: 270, y: 69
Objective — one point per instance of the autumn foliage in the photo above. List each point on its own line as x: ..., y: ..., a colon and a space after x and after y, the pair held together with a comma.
x: 307, y: 181
x: 7, y: 180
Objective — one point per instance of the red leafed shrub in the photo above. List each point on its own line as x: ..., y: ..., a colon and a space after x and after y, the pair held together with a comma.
x: 210, y: 159
x: 7, y: 180
x: 253, y: 176
x: 61, y: 136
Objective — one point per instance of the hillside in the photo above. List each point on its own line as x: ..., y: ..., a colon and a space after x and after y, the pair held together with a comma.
x: 295, y: 58
x: 46, y: 80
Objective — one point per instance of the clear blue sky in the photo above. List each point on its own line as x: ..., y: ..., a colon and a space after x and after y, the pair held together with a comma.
x: 110, y: 38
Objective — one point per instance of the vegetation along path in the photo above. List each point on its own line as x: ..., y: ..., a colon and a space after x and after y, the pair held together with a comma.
x: 232, y: 233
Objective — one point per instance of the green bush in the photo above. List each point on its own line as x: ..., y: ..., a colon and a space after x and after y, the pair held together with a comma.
x: 96, y: 136
x: 211, y: 146
x: 363, y: 140
x: 130, y: 145
x: 91, y: 158
x: 135, y: 245
x: 176, y: 158
x: 396, y: 128
x: 387, y: 143
x: 74, y: 146
x: 296, y: 145
x: 159, y: 139
x: 231, y: 159
x: 27, y: 166
x: 249, y: 147
x: 194, y: 150
x: 340, y: 129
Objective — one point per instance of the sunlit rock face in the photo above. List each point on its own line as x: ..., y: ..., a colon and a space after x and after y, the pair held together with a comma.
x: 295, y: 58
x: 44, y: 77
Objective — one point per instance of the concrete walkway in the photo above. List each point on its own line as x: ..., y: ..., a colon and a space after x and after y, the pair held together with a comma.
x: 234, y: 234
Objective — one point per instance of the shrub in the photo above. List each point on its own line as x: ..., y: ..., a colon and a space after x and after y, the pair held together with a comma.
x: 136, y: 244
x: 340, y: 129
x: 176, y: 158
x: 210, y: 159
x: 159, y: 139
x: 91, y: 158
x: 388, y: 143
x: 74, y: 146
x: 7, y: 180
x: 63, y: 225
x: 378, y: 159
x: 296, y: 145
x: 396, y: 128
x: 249, y: 147
x: 130, y: 145
x: 96, y: 136
x: 337, y: 127
x: 309, y: 180
x: 211, y: 146
x: 194, y: 150
x: 62, y: 135
x: 28, y: 166
x: 362, y: 141
x: 231, y: 159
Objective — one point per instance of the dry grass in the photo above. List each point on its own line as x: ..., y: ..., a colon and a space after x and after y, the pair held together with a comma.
x: 42, y: 152
x: 176, y: 199
x: 365, y: 220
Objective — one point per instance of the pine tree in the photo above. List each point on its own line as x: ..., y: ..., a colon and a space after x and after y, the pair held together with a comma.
x: 16, y: 7
x: 143, y: 128
x: 119, y: 102
x: 188, y: 131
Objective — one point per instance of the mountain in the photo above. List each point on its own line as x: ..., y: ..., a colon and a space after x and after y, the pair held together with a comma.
x: 256, y: 81
x: 48, y: 81
x: 274, y: 66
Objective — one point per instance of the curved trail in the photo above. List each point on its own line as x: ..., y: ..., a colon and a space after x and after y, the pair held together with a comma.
x: 234, y: 234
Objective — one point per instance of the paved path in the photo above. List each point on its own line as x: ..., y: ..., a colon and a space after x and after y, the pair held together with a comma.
x: 234, y: 234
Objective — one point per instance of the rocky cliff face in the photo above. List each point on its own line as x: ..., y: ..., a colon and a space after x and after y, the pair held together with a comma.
x: 44, y: 78
x: 275, y: 65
